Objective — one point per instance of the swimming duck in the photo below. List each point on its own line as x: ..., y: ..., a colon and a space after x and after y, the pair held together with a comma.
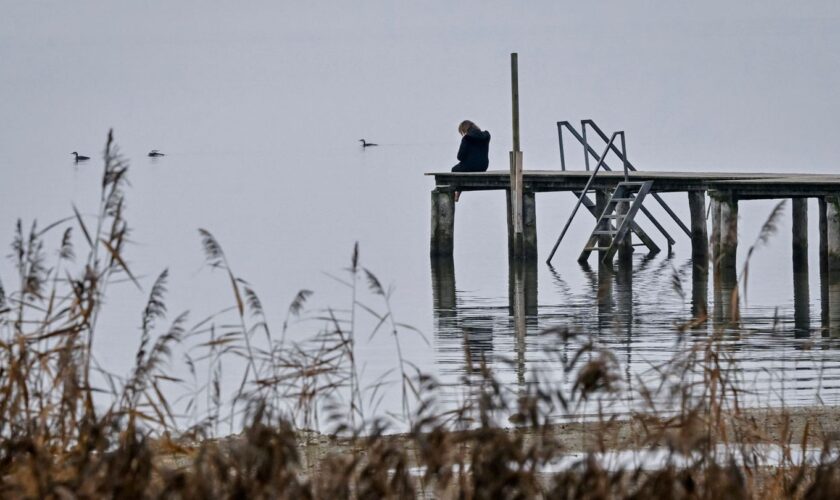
x: 155, y: 154
x: 80, y: 157
x: 366, y: 144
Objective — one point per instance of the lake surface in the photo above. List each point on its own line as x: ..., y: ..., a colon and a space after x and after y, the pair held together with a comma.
x: 259, y: 110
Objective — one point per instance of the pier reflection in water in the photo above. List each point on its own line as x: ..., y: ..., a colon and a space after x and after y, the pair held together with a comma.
x: 639, y: 309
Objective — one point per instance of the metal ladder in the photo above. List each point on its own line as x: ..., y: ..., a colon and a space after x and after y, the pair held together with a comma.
x: 614, y: 224
x: 646, y: 240
x: 581, y: 138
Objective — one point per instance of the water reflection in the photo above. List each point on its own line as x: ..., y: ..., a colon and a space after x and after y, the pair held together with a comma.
x: 522, y: 302
x: 699, y: 290
x: 726, y: 299
x: 457, y: 321
x: 636, y: 309
x: 801, y: 305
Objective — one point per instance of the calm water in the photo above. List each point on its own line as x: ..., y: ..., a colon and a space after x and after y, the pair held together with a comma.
x: 259, y: 110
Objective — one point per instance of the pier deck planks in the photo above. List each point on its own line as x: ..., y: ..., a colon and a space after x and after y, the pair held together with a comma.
x: 744, y: 185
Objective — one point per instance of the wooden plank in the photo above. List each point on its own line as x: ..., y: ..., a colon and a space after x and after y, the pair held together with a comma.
x: 747, y: 185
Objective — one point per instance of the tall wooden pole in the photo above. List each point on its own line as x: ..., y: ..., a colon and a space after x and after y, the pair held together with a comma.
x: 516, y: 164
x: 514, y: 85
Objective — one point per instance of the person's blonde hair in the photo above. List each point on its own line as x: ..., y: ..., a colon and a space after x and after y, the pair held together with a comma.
x: 465, y: 127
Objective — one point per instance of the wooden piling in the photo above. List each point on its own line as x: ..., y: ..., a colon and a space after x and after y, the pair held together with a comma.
x: 833, y: 305
x: 699, y: 254
x: 516, y: 187
x: 510, y: 231
x: 728, y: 234
x: 601, y: 199
x: 823, y: 251
x: 833, y: 234
x: 823, y: 208
x: 832, y: 217
x: 515, y: 202
x: 528, y: 241
x: 529, y: 225
x: 625, y: 249
x: 801, y: 304
x: 699, y: 292
x: 714, y: 239
x: 514, y: 90
x: 699, y: 233
x: 443, y: 223
x: 800, y: 235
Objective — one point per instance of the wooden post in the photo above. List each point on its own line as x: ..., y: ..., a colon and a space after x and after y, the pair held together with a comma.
x: 699, y: 292
x: 699, y: 253
x: 832, y: 216
x: 823, y: 208
x: 516, y: 188
x: 715, y: 237
x: 625, y: 249
x: 823, y: 264
x: 725, y: 231
x: 801, y: 295
x: 516, y: 199
x: 510, y: 230
x: 699, y: 233
x: 529, y: 224
x: 800, y: 235
x: 514, y: 87
x: 443, y: 223
x: 833, y: 305
x: 833, y: 236
x: 601, y: 199
x: 728, y: 235
x: 801, y: 304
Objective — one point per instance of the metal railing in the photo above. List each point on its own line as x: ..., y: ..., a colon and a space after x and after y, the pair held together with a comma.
x: 622, y: 155
x: 587, y: 186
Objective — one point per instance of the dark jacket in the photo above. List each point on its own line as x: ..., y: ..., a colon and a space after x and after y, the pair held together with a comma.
x: 473, y: 151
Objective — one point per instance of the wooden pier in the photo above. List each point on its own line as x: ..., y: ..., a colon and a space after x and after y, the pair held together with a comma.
x: 725, y: 190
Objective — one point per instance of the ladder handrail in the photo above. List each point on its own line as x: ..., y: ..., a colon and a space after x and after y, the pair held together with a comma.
x: 629, y: 165
x: 585, y: 189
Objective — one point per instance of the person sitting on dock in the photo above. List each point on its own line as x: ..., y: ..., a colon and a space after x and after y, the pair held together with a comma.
x: 472, y: 155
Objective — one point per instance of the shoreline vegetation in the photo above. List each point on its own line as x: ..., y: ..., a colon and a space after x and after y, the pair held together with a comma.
x: 302, y: 424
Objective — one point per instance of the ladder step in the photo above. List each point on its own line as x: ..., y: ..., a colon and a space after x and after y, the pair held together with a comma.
x: 622, y: 199
x: 611, y: 216
x: 611, y: 232
x: 595, y: 249
x: 632, y: 183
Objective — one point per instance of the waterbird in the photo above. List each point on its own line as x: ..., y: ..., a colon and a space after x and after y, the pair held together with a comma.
x: 155, y: 154
x: 366, y: 144
x: 80, y: 157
